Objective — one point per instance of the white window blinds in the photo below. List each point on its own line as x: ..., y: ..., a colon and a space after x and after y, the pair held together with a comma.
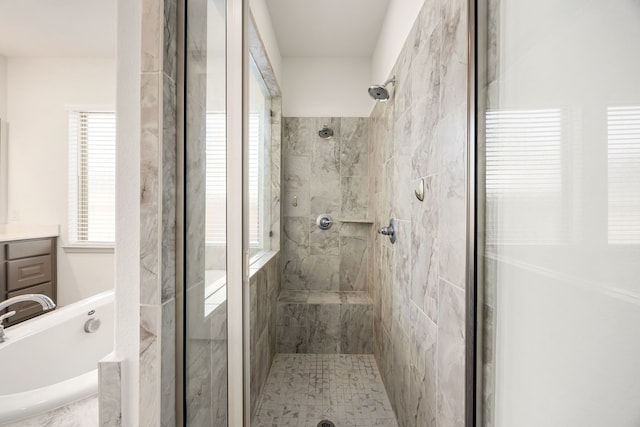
x: 216, y: 184
x: 92, y: 160
x: 524, y: 152
x: 623, y: 148
x: 525, y: 177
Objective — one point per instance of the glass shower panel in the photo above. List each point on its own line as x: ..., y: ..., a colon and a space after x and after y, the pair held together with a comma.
x: 205, y: 347
x: 560, y: 140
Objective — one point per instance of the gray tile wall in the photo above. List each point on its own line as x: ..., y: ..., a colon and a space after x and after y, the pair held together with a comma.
x: 158, y: 152
x: 417, y: 285
x: 264, y: 287
x: 325, y: 176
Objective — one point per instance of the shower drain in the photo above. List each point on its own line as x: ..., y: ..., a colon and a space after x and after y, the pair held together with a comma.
x: 326, y: 423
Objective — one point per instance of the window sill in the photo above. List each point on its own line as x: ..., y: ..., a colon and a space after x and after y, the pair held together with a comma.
x: 89, y: 249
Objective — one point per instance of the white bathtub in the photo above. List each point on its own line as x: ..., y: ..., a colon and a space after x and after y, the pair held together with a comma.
x: 50, y: 361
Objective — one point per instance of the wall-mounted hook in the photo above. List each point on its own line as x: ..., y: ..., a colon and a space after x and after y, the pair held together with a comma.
x: 420, y: 191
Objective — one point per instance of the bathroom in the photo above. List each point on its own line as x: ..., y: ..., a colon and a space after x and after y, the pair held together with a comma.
x: 290, y: 251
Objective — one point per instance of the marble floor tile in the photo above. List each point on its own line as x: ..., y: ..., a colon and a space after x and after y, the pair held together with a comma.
x: 303, y: 389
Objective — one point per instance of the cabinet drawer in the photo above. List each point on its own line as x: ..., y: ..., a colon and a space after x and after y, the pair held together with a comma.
x: 28, y: 248
x: 28, y: 272
x: 28, y: 309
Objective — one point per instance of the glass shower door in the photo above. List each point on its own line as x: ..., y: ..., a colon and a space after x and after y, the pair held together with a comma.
x: 205, y: 336
x: 559, y: 137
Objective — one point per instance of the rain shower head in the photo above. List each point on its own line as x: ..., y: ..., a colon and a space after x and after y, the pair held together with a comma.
x: 380, y: 92
x: 326, y: 132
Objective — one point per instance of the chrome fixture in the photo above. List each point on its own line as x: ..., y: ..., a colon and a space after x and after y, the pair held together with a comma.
x: 46, y: 303
x: 390, y: 230
x: 326, y: 132
x: 420, y: 191
x: 92, y: 325
x: 324, y: 222
x: 380, y: 92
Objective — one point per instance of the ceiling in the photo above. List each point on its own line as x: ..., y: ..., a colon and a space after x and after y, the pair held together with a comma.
x: 58, y: 28
x: 339, y: 28
x: 87, y: 28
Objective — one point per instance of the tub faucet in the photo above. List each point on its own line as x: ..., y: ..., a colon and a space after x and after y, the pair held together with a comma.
x: 46, y: 303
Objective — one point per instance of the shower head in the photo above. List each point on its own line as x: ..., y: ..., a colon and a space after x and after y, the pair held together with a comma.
x: 380, y: 92
x: 325, y: 132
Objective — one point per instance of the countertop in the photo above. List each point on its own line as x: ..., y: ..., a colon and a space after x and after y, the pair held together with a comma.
x: 11, y: 232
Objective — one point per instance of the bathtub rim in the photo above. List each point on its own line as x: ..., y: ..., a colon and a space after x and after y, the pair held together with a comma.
x: 40, y: 323
x: 26, y: 404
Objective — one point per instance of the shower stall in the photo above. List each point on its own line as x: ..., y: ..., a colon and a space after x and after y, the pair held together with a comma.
x: 552, y: 328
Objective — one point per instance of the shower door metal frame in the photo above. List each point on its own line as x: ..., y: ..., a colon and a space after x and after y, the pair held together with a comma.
x: 237, y: 110
x: 473, y: 335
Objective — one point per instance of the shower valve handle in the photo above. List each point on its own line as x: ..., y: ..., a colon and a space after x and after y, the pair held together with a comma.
x: 390, y: 230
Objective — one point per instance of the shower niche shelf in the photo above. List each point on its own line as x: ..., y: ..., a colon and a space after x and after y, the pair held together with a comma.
x: 358, y: 220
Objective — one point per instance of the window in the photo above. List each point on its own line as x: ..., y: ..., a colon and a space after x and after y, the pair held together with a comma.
x: 526, y: 175
x: 92, y: 164
x: 258, y: 171
x: 623, y: 149
x: 216, y: 186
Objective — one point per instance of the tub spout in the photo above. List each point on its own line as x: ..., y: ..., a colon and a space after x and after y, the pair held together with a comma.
x: 46, y: 303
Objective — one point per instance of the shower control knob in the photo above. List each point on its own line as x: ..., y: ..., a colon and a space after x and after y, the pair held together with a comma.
x: 92, y: 325
x: 390, y: 230
x: 324, y: 222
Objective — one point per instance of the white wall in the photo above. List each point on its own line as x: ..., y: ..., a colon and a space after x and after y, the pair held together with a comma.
x: 401, y: 14
x: 3, y: 150
x: 127, y: 288
x: 39, y: 90
x: 3, y: 87
x: 326, y: 87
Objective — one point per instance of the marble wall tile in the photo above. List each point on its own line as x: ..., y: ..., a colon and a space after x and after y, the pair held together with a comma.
x: 293, y: 314
x: 169, y: 170
x: 452, y: 200
x: 292, y: 339
x: 324, y: 242
x: 217, y: 388
x: 297, y: 173
x: 355, y: 196
x: 324, y: 328
x: 326, y: 158
x: 354, y: 147
x: 168, y: 365
x: 295, y: 236
x: 425, y: 263
x: 170, y: 41
x: 152, y: 41
x: 421, y: 133
x: 323, y: 273
x: 296, y: 203
x: 354, y: 263
x: 451, y: 346
x: 357, y: 328
x: 276, y: 171
x: 298, y: 136
x: 110, y: 393
x: 424, y: 340
x: 453, y: 70
x: 150, y: 365
x: 198, y: 395
x: 254, y: 329
x: 150, y: 198
x: 321, y: 297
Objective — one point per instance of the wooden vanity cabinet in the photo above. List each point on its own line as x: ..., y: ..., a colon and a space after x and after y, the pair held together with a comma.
x: 27, y: 267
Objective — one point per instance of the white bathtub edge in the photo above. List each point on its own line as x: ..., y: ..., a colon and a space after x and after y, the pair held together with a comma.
x: 26, y: 404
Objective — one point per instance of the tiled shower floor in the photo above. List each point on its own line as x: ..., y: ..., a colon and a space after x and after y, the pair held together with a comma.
x: 303, y: 389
